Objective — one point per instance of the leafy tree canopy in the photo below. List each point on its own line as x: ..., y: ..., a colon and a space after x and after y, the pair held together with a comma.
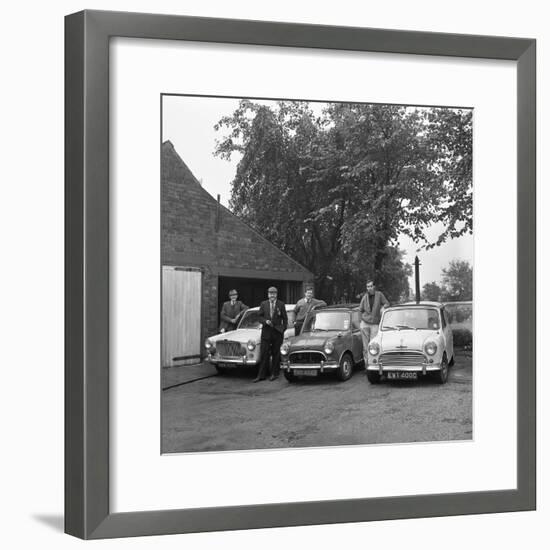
x: 457, y: 281
x: 456, y: 284
x: 336, y: 190
x: 431, y: 292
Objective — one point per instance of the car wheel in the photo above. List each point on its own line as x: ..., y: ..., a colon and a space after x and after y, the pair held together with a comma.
x: 220, y: 370
x: 373, y: 377
x: 289, y: 376
x: 345, y: 369
x: 442, y: 375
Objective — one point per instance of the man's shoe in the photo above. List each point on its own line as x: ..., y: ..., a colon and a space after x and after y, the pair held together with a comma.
x: 271, y: 378
x: 258, y: 379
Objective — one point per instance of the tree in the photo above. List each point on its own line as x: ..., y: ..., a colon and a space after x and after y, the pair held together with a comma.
x: 431, y: 292
x: 457, y: 281
x: 335, y: 191
x: 393, y: 278
x: 451, y: 135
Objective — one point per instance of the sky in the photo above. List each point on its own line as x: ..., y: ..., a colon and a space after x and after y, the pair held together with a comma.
x: 188, y: 122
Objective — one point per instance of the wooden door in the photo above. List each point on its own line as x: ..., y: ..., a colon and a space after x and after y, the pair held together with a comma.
x: 181, y: 315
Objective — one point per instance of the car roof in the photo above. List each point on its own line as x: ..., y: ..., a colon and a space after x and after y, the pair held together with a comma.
x: 461, y: 303
x: 288, y: 307
x: 346, y: 307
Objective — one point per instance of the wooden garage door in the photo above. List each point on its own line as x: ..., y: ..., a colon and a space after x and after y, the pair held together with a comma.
x: 181, y: 315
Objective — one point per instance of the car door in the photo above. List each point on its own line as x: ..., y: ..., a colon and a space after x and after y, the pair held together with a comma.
x: 356, y: 340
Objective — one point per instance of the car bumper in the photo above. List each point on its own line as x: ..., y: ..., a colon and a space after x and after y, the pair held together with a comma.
x: 423, y: 369
x: 322, y: 366
x: 232, y: 362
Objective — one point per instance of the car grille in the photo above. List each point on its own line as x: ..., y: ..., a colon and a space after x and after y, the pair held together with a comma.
x: 402, y: 358
x: 230, y: 349
x: 306, y: 357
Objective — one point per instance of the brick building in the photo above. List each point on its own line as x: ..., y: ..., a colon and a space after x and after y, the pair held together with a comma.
x: 206, y: 251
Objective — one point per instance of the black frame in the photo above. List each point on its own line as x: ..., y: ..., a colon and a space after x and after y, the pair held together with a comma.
x: 87, y: 37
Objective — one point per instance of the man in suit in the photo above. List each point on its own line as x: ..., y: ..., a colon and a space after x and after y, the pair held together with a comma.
x: 231, y: 311
x: 370, y: 307
x: 274, y: 322
x: 303, y: 307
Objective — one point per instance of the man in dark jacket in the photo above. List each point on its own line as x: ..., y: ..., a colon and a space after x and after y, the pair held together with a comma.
x: 274, y: 322
x: 231, y: 311
x: 371, y: 304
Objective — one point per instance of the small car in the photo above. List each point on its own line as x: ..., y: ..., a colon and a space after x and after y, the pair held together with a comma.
x: 330, y: 342
x: 414, y: 339
x: 241, y: 347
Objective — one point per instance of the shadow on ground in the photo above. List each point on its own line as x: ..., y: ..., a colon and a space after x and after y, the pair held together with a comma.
x: 55, y: 522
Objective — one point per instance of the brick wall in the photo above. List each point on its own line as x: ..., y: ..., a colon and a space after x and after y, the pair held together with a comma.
x: 190, y: 238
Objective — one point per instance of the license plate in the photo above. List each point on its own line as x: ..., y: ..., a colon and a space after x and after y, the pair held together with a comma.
x: 402, y: 375
x: 305, y: 372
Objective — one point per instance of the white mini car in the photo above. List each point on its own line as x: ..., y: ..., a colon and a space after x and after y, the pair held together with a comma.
x: 241, y: 347
x: 413, y: 340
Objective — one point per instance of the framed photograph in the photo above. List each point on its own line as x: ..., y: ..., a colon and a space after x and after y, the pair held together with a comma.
x: 300, y: 274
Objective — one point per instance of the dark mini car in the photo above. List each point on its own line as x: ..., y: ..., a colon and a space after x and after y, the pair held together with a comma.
x: 330, y: 342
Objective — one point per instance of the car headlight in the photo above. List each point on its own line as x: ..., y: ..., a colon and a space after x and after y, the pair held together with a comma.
x: 285, y: 348
x: 209, y: 345
x: 374, y: 348
x: 430, y: 348
x: 251, y: 345
x: 329, y: 348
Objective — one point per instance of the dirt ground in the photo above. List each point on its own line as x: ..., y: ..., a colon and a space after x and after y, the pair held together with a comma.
x: 229, y: 412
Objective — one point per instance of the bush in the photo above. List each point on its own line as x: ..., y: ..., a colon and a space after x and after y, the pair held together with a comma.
x: 462, y: 338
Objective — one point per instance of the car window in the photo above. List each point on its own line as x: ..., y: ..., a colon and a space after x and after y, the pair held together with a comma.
x: 356, y: 320
x: 250, y: 319
x: 411, y: 318
x: 326, y: 320
x: 443, y: 319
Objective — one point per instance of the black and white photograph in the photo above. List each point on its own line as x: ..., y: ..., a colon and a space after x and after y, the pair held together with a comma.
x: 317, y: 273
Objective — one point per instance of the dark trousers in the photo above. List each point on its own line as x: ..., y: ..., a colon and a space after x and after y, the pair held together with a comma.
x: 270, y: 347
x: 298, y: 328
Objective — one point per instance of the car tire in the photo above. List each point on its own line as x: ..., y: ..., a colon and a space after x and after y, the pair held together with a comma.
x: 442, y: 375
x: 220, y: 370
x: 345, y: 368
x: 289, y: 376
x: 373, y: 377
x: 452, y: 361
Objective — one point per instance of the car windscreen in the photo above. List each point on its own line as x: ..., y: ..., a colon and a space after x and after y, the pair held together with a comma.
x: 326, y: 320
x: 411, y: 318
x: 251, y: 319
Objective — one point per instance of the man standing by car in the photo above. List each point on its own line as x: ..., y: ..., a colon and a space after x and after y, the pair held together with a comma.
x: 303, y: 307
x: 274, y: 320
x: 371, y: 304
x: 231, y: 311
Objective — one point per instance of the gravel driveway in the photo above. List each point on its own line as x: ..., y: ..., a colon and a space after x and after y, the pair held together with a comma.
x: 229, y: 412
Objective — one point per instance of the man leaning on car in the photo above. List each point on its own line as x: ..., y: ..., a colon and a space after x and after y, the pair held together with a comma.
x: 303, y: 307
x: 231, y: 311
x: 371, y: 304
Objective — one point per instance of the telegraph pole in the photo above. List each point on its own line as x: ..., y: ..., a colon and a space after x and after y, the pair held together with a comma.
x: 417, y: 278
